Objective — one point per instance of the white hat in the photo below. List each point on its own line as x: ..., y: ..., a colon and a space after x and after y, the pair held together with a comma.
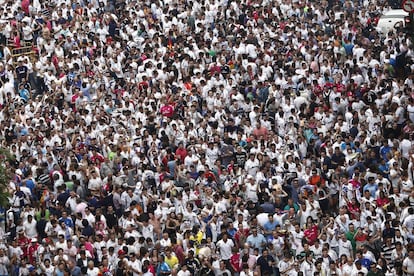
x: 19, y: 172
x: 34, y: 240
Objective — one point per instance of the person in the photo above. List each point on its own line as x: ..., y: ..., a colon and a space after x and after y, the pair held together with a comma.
x: 375, y: 270
x: 266, y: 263
x: 222, y: 270
x: 225, y: 246
x: 307, y: 266
x: 125, y: 121
x: 183, y: 271
x: 4, y: 262
x: 256, y: 240
x: 163, y: 268
x: 408, y: 263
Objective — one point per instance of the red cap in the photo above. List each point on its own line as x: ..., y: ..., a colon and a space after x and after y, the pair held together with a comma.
x: 121, y: 252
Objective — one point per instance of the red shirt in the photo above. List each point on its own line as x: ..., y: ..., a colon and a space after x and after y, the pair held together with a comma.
x: 382, y: 201
x: 311, y: 234
x: 25, y: 6
x: 241, y: 235
x: 235, y: 262
x: 210, y: 174
x: 182, y: 152
x: 167, y: 111
x: 97, y: 156
x: 17, y: 43
x: 23, y: 243
x: 353, y: 209
x: 31, y: 253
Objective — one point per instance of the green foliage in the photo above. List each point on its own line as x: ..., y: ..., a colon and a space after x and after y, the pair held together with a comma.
x: 5, y: 175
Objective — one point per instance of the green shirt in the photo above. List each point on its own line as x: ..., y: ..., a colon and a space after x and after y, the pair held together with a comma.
x: 350, y: 236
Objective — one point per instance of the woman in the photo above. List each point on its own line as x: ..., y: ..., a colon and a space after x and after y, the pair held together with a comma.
x: 311, y: 233
x: 100, y: 225
x: 382, y: 200
x: 153, y: 256
x: 16, y: 40
x: 171, y: 227
x: 353, y: 208
x: 342, y: 261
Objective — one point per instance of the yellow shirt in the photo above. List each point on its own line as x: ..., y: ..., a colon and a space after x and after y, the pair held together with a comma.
x: 172, y: 261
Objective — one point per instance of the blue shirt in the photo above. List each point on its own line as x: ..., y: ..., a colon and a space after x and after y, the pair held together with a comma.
x: 30, y: 184
x: 256, y: 242
x: 24, y: 94
x: 163, y: 267
x: 384, y: 150
x: 68, y: 221
x: 372, y: 188
x: 270, y: 226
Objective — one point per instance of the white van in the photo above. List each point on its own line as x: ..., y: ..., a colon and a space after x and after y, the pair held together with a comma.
x: 391, y: 20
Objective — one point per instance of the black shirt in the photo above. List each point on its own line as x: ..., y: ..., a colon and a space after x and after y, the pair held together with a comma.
x: 240, y: 158
x: 21, y: 72
x: 263, y: 262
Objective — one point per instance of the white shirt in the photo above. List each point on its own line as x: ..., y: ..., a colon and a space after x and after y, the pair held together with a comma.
x: 225, y: 249
x: 92, y: 272
x: 251, y: 167
x: 347, y: 269
x: 307, y: 268
x: 183, y: 273
x: 148, y: 231
x: 251, y: 191
x: 345, y: 247
x: 30, y: 229
x: 355, y: 271
x: 409, y: 263
x: 136, y: 265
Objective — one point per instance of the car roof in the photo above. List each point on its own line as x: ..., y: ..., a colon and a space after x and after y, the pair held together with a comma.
x: 400, y: 12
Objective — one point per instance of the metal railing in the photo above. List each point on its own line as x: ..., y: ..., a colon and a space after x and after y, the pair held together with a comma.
x: 27, y: 49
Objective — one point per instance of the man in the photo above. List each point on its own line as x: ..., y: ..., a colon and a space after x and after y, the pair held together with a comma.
x: 22, y: 72
x: 256, y: 240
x: 32, y: 251
x: 307, y: 265
x: 184, y: 271
x: 74, y: 269
x: 171, y: 259
x: 375, y: 270
x: 266, y: 263
x: 135, y: 265
x: 359, y: 268
x: 4, y: 263
x: 350, y: 235
x: 225, y: 245
x: 222, y: 270
x: 408, y: 263
x: 252, y: 165
x: 269, y: 226
x: 192, y: 264
x: 345, y: 246
x: 92, y: 270
x: 163, y: 267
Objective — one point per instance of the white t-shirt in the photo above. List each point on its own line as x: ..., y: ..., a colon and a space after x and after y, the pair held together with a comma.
x: 136, y: 265
x: 225, y: 249
x: 30, y: 229
x: 347, y: 269
x: 409, y: 263
x: 92, y: 272
x: 183, y: 273
x: 345, y: 247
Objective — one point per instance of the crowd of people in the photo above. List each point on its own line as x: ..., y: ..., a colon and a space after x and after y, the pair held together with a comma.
x: 211, y: 137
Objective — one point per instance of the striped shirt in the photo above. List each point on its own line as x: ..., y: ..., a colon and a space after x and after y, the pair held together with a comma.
x: 387, y: 253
